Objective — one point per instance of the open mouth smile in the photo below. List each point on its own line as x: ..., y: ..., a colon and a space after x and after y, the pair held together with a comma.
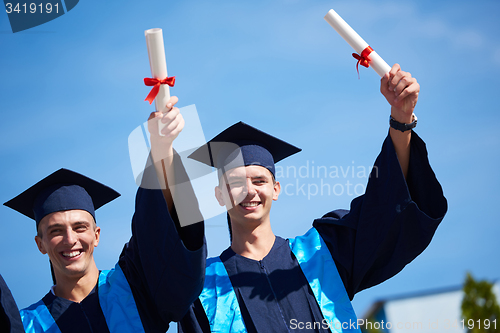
x: 71, y: 254
x: 249, y: 204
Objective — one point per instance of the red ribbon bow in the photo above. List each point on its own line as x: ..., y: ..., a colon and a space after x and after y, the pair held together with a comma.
x: 364, y: 59
x: 156, y: 83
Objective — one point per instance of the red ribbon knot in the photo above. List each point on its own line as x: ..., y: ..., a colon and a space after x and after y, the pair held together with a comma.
x: 363, y: 59
x: 156, y: 86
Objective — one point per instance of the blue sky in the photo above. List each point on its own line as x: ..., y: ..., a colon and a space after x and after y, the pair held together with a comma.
x: 72, y: 92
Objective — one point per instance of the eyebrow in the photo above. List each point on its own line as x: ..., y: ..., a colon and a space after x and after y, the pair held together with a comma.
x: 81, y: 223
x: 261, y: 176
x: 58, y: 225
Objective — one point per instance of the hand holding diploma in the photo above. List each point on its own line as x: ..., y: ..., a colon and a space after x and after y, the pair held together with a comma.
x: 398, y: 87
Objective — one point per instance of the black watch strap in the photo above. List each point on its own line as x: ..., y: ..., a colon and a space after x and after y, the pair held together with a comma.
x: 403, y: 127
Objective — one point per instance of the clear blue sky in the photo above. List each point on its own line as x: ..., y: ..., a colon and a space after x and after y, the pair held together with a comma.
x: 72, y: 92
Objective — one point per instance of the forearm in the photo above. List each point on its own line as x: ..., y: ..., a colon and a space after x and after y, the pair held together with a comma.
x: 179, y: 196
x: 162, y: 152
x: 401, y: 140
x: 401, y: 91
x: 164, y: 167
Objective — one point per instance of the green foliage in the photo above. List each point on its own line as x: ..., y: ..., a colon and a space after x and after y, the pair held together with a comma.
x: 371, y: 329
x: 480, y: 307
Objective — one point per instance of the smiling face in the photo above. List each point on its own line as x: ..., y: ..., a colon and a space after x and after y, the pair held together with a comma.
x: 69, y: 238
x: 248, y: 193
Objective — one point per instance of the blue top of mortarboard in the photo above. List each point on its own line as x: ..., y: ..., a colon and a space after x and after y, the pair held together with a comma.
x: 62, y: 190
x: 242, y: 145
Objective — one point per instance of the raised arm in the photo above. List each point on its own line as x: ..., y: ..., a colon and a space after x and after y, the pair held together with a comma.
x: 162, y: 151
x: 170, y: 172
x: 395, y: 220
x: 164, y: 263
x: 388, y: 226
x: 401, y: 91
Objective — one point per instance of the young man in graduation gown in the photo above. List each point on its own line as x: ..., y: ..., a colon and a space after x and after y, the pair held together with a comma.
x: 160, y: 270
x: 264, y: 283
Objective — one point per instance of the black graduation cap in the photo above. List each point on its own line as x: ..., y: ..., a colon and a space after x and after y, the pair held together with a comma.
x: 242, y: 145
x: 62, y: 190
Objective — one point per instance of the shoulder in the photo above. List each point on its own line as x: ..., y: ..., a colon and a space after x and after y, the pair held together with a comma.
x: 47, y: 299
x: 336, y: 214
x: 213, y: 261
x: 36, y: 312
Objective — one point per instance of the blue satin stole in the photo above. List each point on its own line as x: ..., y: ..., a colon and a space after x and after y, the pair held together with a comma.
x: 116, y: 301
x: 221, y: 304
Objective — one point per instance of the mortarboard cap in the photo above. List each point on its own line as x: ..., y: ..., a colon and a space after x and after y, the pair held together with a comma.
x: 242, y: 145
x: 62, y: 190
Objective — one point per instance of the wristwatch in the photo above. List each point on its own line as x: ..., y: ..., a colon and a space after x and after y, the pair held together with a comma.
x: 403, y: 127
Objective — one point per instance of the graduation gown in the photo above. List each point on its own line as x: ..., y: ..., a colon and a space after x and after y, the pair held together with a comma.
x: 10, y: 321
x: 161, y: 269
x: 384, y: 230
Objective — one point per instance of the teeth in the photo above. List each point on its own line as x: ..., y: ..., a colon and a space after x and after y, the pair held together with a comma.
x: 71, y: 254
x: 249, y: 204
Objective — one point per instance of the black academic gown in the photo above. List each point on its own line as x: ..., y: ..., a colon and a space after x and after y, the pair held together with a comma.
x: 385, y: 229
x: 163, y: 263
x: 10, y: 321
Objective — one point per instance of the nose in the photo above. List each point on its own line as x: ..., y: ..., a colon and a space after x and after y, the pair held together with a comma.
x: 250, y: 188
x: 69, y: 237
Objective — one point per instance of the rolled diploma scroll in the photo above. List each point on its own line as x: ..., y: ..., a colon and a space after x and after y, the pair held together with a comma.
x: 158, y: 64
x: 356, y: 42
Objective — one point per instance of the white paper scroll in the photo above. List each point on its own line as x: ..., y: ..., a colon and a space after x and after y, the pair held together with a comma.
x: 158, y: 64
x: 356, y: 42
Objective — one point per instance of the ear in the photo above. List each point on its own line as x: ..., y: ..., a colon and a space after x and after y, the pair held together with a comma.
x: 218, y: 196
x: 39, y: 244
x: 277, y: 190
x: 97, y: 236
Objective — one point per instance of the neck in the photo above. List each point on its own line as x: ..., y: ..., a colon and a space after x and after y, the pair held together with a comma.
x: 76, y: 288
x: 253, y: 243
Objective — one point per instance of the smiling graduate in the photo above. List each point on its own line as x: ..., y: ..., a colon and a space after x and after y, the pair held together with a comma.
x: 264, y: 283
x: 159, y: 272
